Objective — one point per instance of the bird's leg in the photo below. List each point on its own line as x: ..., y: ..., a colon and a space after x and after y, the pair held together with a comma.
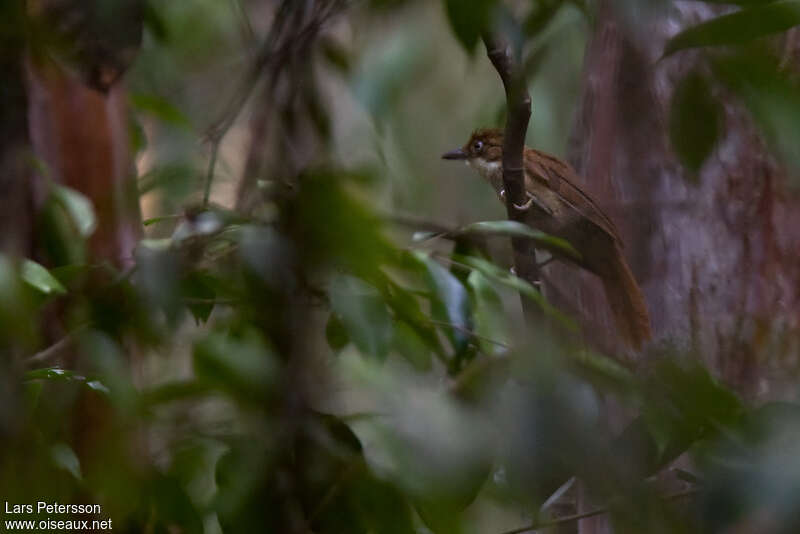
x: 531, y: 201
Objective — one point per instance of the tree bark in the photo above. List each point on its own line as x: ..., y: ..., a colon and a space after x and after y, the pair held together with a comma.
x: 716, y: 258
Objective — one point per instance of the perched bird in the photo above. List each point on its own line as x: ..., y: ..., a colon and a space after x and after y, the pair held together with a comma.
x: 557, y: 206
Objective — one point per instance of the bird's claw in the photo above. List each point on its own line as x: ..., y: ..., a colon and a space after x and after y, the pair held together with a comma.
x: 527, y: 205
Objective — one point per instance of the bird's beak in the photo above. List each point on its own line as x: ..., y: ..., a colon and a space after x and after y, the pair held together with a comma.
x: 455, y: 154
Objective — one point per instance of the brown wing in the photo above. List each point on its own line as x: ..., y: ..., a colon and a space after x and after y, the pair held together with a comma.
x: 561, y: 177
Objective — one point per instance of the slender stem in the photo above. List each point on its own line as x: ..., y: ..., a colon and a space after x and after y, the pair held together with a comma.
x: 590, y: 513
x: 212, y: 163
x: 518, y: 102
x: 470, y: 333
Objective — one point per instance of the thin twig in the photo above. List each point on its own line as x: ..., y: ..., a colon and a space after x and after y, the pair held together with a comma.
x: 470, y: 333
x: 591, y: 513
x: 212, y: 163
x: 272, y: 52
x: 55, y: 349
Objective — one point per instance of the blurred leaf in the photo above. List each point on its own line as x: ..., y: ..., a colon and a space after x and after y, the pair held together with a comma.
x: 174, y: 179
x: 338, y: 228
x: 540, y: 16
x: 79, y: 208
x: 389, y: 70
x: 336, y: 55
x: 52, y: 373
x: 770, y: 95
x: 154, y: 22
x: 40, y: 278
x: 198, y: 290
x: 430, y: 445
x: 336, y: 333
x: 411, y: 346
x: 506, y: 278
x: 65, y: 458
x: 683, y: 403
x: 161, y: 109
x: 363, y: 313
x: 468, y: 19
x: 695, y: 121
x: 739, y: 27
x: 490, y: 317
x: 406, y: 307
x: 242, y: 366
x: 137, y: 135
x: 65, y: 375
x: 517, y: 229
x: 450, y: 303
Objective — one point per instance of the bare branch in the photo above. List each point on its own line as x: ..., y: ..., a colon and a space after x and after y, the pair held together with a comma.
x: 518, y: 102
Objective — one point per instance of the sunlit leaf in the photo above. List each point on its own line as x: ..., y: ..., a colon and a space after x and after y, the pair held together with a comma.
x: 40, y: 278
x: 740, y: 27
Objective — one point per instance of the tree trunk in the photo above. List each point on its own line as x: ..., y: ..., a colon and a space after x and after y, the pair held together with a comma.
x: 716, y: 258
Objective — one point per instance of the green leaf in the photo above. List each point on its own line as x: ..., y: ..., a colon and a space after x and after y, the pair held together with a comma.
x: 739, y: 27
x: 490, y: 317
x: 517, y: 229
x: 335, y: 333
x: 514, y: 282
x: 242, y: 365
x: 79, y: 208
x: 770, y: 95
x: 64, y: 457
x: 364, y: 314
x: 541, y: 15
x: 683, y: 403
x: 468, y: 19
x: 198, y: 290
x: 450, y: 300
x: 40, y: 278
x: 411, y: 346
x: 161, y: 109
x: 695, y: 121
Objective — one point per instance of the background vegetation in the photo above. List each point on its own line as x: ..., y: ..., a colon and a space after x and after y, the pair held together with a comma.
x: 306, y: 330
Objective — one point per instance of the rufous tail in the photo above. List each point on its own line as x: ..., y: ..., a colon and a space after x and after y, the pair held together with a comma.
x: 626, y: 300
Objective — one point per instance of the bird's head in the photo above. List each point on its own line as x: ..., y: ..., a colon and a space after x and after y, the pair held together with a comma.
x: 483, y: 151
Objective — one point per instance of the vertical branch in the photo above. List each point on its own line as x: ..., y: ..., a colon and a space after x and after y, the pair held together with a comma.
x: 518, y: 102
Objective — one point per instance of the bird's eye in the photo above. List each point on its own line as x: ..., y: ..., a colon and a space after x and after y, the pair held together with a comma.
x: 477, y: 146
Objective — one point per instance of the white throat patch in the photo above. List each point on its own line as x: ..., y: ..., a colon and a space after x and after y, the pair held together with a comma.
x: 487, y: 169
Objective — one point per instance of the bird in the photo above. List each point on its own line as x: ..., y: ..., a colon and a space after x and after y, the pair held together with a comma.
x: 556, y: 205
